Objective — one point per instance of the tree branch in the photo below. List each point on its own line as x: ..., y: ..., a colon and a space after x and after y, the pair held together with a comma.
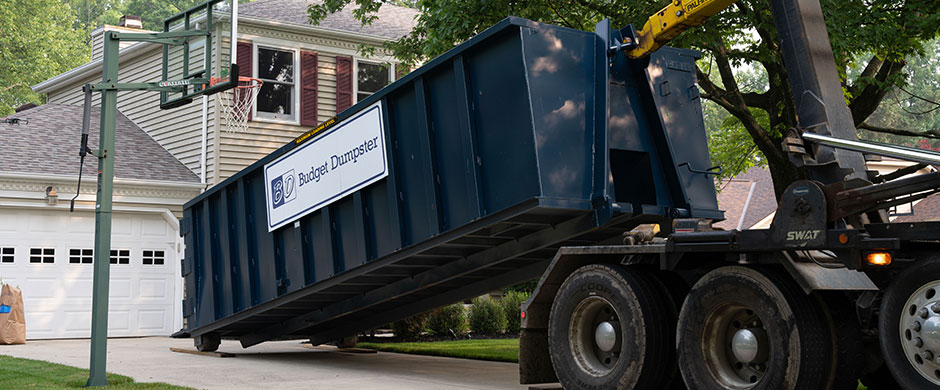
x: 865, y: 101
x: 933, y: 134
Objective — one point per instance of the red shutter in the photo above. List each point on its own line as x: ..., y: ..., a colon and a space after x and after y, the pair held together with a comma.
x: 308, y: 88
x: 344, y: 83
x: 244, y: 62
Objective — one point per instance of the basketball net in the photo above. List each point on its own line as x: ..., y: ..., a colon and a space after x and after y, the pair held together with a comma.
x: 237, y: 102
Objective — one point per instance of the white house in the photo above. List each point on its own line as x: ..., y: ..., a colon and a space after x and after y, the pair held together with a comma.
x: 162, y: 161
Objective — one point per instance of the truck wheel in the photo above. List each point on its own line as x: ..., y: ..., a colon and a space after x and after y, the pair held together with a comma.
x: 608, y: 328
x: 744, y: 328
x: 347, y: 342
x: 909, y: 326
x: 208, y: 342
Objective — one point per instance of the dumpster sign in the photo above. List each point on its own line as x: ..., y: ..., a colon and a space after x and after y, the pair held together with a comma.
x: 348, y: 157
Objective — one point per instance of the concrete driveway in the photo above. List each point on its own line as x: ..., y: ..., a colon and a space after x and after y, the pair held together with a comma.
x: 278, y: 365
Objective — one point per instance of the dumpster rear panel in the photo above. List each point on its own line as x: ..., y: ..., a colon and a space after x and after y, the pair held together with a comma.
x: 499, y: 152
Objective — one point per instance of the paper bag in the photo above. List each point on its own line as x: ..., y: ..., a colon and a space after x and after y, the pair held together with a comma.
x: 12, y: 318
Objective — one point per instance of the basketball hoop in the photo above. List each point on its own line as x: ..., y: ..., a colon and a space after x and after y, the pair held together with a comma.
x: 237, y: 103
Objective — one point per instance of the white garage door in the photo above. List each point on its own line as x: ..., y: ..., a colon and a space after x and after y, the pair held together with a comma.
x: 48, y: 254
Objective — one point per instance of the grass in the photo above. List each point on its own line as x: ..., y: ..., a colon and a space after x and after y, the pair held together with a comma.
x: 16, y: 373
x: 500, y: 350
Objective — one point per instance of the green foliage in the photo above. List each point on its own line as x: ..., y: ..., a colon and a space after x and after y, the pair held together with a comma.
x: 512, y: 304
x: 16, y: 373
x: 500, y: 350
x: 410, y: 328
x: 450, y: 317
x: 37, y: 42
x: 486, y: 316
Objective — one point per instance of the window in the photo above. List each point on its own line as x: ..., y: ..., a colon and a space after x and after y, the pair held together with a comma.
x: 275, y: 99
x: 120, y: 256
x: 81, y: 256
x: 6, y: 255
x: 370, y: 79
x: 153, y: 257
x: 42, y: 255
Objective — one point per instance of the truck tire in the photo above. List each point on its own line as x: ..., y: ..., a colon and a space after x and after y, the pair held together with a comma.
x: 609, y: 329
x: 909, y: 326
x: 208, y: 342
x: 751, y: 328
x: 847, y: 362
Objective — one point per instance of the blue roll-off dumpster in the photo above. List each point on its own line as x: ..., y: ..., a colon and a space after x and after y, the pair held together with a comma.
x: 482, y: 164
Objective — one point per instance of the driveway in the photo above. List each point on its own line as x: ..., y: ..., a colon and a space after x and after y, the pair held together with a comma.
x: 279, y: 365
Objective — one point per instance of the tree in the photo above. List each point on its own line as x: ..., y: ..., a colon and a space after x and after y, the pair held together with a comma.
x: 742, y: 36
x: 37, y: 41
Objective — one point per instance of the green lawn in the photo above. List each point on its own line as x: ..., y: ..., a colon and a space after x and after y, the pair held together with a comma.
x: 16, y: 373
x: 501, y: 350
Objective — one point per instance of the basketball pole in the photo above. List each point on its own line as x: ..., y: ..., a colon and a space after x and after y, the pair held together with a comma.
x: 102, y: 262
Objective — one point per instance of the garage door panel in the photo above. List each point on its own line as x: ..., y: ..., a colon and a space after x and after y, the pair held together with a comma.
x: 57, y: 296
x: 39, y: 288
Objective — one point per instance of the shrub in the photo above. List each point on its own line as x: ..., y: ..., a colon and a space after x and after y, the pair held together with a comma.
x: 511, y: 304
x: 447, y: 318
x: 410, y: 328
x: 486, y: 317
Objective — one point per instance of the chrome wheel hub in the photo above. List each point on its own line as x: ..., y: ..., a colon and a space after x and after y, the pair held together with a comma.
x: 607, y: 335
x: 920, y: 331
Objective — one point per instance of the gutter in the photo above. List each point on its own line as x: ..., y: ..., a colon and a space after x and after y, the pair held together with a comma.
x: 39, y: 177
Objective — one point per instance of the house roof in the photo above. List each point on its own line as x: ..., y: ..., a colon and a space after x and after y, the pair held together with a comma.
x: 393, y: 21
x: 46, y: 141
x: 927, y: 209
x: 734, y: 194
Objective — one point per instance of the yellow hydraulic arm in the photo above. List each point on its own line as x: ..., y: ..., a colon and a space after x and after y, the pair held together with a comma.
x: 678, y: 16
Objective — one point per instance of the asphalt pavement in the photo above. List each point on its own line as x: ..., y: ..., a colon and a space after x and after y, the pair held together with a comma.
x: 278, y: 364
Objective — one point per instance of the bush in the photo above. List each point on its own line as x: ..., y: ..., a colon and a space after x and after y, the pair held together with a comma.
x: 447, y: 318
x: 511, y: 305
x: 486, y: 317
x: 410, y: 328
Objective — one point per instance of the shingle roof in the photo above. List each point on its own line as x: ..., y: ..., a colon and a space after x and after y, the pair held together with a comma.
x: 48, y: 144
x: 927, y: 209
x: 733, y: 197
x: 393, y: 21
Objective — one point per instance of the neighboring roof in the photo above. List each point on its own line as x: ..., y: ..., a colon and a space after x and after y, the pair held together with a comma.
x: 393, y: 21
x: 734, y: 194
x: 927, y: 209
x: 46, y: 141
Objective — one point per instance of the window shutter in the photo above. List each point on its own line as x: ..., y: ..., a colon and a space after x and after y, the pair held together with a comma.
x: 308, y: 88
x: 344, y: 83
x: 244, y: 62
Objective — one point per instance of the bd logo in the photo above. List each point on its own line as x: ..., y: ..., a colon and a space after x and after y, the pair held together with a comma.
x: 282, y: 189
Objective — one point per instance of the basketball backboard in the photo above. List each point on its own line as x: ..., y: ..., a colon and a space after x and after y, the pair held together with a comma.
x: 197, y: 64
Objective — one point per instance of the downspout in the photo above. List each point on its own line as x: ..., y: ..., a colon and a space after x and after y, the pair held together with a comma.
x: 205, y: 135
x: 747, y: 203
